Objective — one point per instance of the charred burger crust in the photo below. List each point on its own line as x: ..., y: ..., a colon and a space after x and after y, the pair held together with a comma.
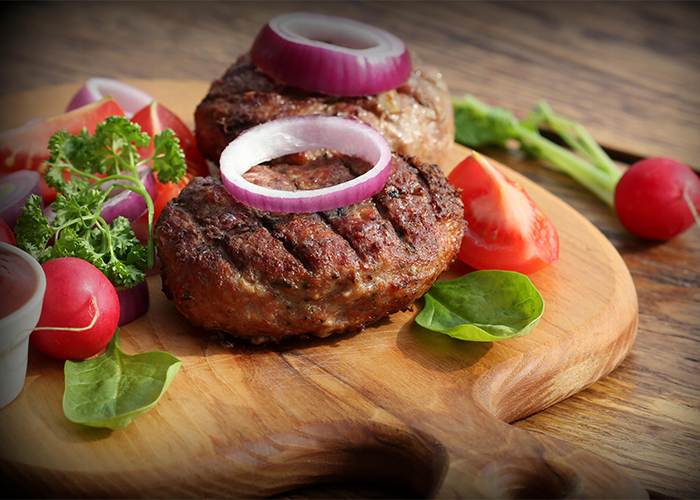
x: 268, y: 276
x: 416, y: 118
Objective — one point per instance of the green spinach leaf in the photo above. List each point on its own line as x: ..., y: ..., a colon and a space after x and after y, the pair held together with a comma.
x: 115, y: 388
x: 483, y: 306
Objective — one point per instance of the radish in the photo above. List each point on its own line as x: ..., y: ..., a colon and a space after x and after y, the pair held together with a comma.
x: 658, y: 198
x: 80, y: 312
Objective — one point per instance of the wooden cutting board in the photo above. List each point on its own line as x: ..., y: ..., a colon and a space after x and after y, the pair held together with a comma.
x: 396, y: 403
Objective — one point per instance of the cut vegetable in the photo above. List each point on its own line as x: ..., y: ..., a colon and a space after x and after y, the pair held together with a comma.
x: 305, y: 133
x: 15, y: 188
x: 6, y: 234
x: 505, y: 229
x: 154, y: 119
x: 130, y: 98
x: 26, y: 147
x: 331, y: 55
x: 127, y: 203
x: 78, y: 229
x: 133, y: 302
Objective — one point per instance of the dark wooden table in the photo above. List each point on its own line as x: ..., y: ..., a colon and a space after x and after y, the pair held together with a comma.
x: 630, y: 72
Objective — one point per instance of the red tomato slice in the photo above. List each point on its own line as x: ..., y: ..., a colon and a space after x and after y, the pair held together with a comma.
x: 164, y: 193
x: 27, y: 146
x: 6, y: 234
x: 155, y: 118
x: 506, y: 229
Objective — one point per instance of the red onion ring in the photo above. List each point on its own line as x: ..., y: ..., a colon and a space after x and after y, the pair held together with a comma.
x: 15, y: 188
x: 305, y: 133
x: 331, y: 55
x: 127, y: 203
x: 131, y: 99
x: 134, y: 302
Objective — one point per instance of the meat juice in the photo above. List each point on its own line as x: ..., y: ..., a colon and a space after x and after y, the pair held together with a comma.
x: 18, y: 282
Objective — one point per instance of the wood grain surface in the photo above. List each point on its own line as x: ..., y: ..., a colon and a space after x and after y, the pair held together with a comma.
x: 274, y: 417
x: 627, y: 70
x: 627, y: 73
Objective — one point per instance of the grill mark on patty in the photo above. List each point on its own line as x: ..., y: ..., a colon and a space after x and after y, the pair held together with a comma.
x: 307, y: 236
x: 234, y: 229
x: 437, y: 186
x: 212, y: 235
x: 391, y: 191
x: 355, y: 221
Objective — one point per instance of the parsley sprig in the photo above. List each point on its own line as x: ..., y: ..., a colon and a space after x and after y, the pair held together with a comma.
x: 85, y: 169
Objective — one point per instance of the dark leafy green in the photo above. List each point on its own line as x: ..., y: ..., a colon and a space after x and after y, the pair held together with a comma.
x: 78, y: 167
x: 483, y: 306
x: 113, y: 389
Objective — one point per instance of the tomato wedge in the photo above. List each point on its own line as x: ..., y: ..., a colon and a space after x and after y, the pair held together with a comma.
x: 27, y: 146
x: 506, y: 229
x: 155, y: 118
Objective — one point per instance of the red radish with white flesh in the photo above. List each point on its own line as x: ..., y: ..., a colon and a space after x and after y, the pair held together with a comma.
x: 305, y: 133
x: 80, y: 312
x: 15, y: 188
x: 130, y: 98
x: 331, y: 55
x: 658, y: 198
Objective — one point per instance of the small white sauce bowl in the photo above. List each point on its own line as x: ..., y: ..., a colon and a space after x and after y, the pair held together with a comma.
x: 15, y: 329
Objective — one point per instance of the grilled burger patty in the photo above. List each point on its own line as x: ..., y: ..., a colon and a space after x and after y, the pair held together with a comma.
x: 416, y: 118
x: 269, y: 276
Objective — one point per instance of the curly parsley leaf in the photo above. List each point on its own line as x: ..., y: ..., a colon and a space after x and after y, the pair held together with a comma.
x: 168, y: 159
x: 33, y: 231
x: 85, y: 169
x: 116, y: 141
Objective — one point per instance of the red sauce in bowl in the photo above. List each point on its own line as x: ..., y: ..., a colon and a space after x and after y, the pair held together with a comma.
x: 18, y: 282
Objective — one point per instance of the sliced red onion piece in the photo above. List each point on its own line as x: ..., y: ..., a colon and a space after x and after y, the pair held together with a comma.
x: 134, y: 302
x: 127, y: 203
x: 331, y: 55
x: 131, y: 99
x: 15, y: 188
x: 305, y: 133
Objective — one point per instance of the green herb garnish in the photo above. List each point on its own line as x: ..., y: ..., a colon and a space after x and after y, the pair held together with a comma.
x: 79, y: 168
x: 478, y: 125
x: 483, y: 306
x: 115, y: 388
